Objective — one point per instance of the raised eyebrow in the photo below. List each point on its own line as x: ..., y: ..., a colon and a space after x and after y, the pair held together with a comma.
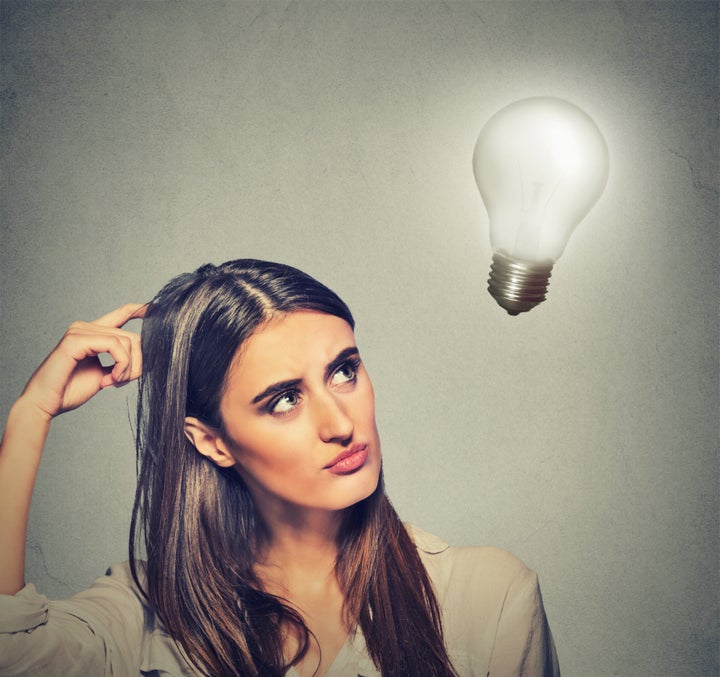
x: 282, y: 386
x: 341, y: 357
x: 276, y: 388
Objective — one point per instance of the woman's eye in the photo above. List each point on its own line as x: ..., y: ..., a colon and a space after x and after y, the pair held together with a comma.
x: 284, y: 403
x: 346, y: 373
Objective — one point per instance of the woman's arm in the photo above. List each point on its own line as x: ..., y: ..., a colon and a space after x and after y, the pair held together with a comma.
x: 523, y: 644
x: 68, y: 378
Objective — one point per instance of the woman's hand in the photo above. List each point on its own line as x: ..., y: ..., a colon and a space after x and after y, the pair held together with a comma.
x: 70, y: 375
x: 73, y: 373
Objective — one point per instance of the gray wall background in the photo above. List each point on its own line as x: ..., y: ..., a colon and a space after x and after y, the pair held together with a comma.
x: 141, y: 139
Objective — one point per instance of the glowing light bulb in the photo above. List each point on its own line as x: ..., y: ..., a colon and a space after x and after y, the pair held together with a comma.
x: 540, y: 164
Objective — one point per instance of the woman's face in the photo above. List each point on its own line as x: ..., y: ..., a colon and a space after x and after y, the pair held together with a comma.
x: 299, y: 415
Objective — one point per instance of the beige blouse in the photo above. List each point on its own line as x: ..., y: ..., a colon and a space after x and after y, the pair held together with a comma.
x: 494, y: 624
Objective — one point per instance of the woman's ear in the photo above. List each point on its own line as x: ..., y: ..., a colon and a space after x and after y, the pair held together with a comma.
x: 208, y: 442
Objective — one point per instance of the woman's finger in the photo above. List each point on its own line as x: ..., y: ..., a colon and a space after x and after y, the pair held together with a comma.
x: 81, y: 346
x: 129, y: 367
x: 132, y: 368
x: 136, y: 356
x: 82, y: 340
x: 123, y: 314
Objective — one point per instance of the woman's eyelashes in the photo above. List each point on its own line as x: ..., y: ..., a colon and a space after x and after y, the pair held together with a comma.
x: 347, y: 372
x: 283, y: 403
x: 287, y: 401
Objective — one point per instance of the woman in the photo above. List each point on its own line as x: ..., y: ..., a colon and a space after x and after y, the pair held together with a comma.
x: 269, y: 545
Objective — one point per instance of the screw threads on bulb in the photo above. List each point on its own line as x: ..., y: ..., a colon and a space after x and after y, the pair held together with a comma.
x: 517, y: 285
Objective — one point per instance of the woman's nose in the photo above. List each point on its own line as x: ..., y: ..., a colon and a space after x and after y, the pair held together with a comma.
x: 334, y: 423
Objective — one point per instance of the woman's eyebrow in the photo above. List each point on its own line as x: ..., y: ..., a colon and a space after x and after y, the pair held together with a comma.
x: 341, y: 357
x: 277, y: 388
x: 282, y: 386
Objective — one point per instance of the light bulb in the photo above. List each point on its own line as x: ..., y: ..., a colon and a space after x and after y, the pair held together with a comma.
x: 540, y: 164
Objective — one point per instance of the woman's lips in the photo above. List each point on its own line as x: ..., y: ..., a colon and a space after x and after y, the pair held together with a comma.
x: 349, y: 461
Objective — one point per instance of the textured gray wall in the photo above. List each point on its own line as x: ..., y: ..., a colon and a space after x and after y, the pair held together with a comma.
x: 142, y: 139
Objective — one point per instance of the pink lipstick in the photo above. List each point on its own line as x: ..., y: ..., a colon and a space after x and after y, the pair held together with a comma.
x: 348, y: 461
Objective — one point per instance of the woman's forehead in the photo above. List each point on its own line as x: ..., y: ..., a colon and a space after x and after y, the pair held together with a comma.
x: 293, y: 339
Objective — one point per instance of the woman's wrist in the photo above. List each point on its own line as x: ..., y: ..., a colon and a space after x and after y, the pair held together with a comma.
x: 26, y: 428
x: 26, y: 410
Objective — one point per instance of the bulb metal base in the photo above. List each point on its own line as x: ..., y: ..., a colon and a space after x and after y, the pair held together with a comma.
x: 517, y: 285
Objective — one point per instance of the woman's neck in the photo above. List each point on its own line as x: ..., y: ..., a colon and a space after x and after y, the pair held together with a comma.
x: 298, y: 565
x: 308, y: 546
x: 298, y: 541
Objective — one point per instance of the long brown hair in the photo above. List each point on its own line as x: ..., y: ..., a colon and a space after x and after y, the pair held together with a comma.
x: 197, y: 521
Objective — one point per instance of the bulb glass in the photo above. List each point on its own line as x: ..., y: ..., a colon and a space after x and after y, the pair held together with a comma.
x: 540, y: 164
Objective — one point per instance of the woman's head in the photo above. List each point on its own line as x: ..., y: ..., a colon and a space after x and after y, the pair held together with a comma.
x: 198, y: 321
x: 195, y: 337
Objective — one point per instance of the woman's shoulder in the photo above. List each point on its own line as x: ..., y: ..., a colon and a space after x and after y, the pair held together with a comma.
x: 493, y: 615
x: 479, y: 561
x: 118, y: 583
x: 121, y: 573
x: 158, y: 653
x: 472, y: 577
x: 108, y: 628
